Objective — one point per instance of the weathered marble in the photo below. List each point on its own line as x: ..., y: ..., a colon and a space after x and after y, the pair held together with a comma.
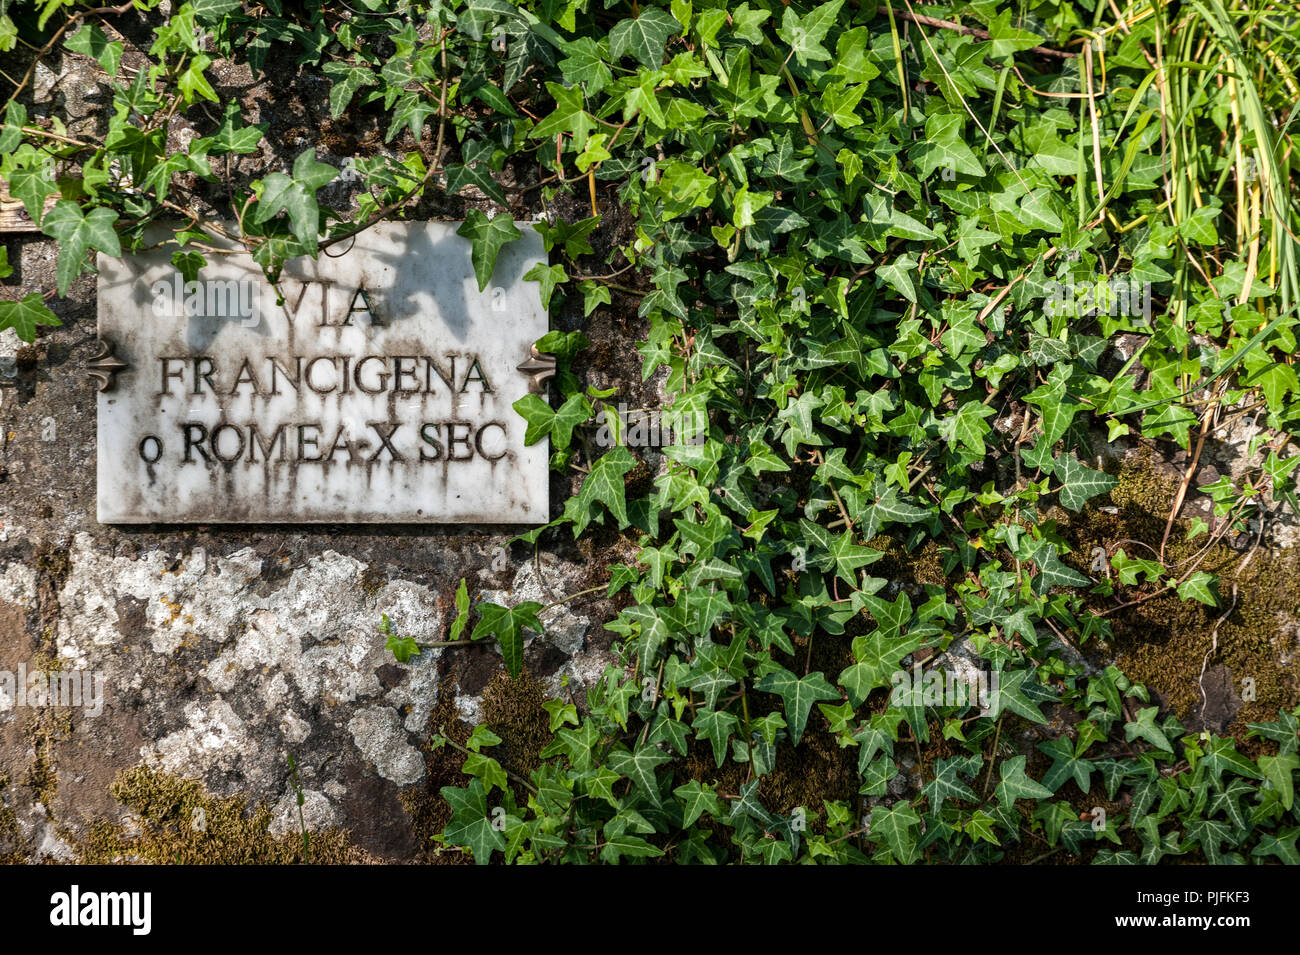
x: 379, y: 391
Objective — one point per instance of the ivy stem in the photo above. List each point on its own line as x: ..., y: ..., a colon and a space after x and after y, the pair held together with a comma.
x: 73, y: 18
x: 442, y: 731
x: 435, y: 166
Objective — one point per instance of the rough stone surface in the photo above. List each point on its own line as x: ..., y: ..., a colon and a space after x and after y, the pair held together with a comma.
x: 226, y: 649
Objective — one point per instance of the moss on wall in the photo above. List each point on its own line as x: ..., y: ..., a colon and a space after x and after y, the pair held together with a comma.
x: 1163, y: 641
x: 180, y: 822
x: 513, y: 710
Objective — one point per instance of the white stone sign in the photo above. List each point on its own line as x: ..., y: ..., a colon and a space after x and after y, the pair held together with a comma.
x: 380, y: 391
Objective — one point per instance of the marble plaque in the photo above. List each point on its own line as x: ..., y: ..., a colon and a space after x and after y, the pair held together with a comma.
x: 379, y: 391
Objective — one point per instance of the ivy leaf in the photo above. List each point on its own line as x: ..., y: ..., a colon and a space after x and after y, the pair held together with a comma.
x: 1280, y: 771
x: 475, y: 170
x: 347, y: 79
x: 642, y: 99
x: 1157, y: 845
x: 897, y: 273
x: 560, y: 713
x: 745, y: 23
x: 640, y: 767
x: 11, y: 134
x: 462, y: 614
x: 1052, y: 572
x: 669, y: 731
x: 478, y: 14
x: 539, y: 415
x: 1080, y: 483
x: 1282, y: 845
x: 1221, y: 754
x: 1285, y: 731
x: 967, y: 426
x: 210, y: 11
x: 574, y: 236
x: 947, y: 784
x: 572, y: 413
x: 1057, y: 405
x: 599, y: 784
x: 891, y: 616
x: 1037, y: 212
x: 402, y: 648
x: 576, y: 745
x: 697, y: 800
x: 230, y: 138
x: 879, y: 656
x: 78, y: 233
x: 1228, y: 801
x: 487, y: 236
x: 1201, y: 587
x: 1065, y: 765
x: 193, y: 83
x: 1009, y: 694
x: 893, y: 827
x: 799, y: 695
x: 785, y: 162
x: 710, y: 683
x: 1199, y: 226
x: 837, y: 552
x: 411, y: 111
x: 569, y: 117
x: 585, y: 64
x: 644, y: 37
x: 25, y: 314
x: 1016, y: 785
x: 508, y: 626
x: 716, y: 726
x: 1006, y: 39
x: 875, y: 736
x: 604, y: 484
x: 594, y: 294
x: 890, y: 507
x: 944, y: 147
x: 547, y: 277
x: 188, y: 263
x: 1144, y: 727
x: 487, y: 769
x: 876, y: 777
x: 980, y: 826
x: 1211, y: 834
x: 621, y: 844
x: 470, y: 825
x: 804, y: 34
x: 296, y: 195
x: 91, y: 41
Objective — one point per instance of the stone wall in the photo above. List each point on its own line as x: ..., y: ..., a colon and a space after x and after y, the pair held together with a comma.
x: 226, y: 650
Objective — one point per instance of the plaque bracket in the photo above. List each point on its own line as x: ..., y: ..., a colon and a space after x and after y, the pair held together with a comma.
x: 104, y: 366
x: 538, y: 367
